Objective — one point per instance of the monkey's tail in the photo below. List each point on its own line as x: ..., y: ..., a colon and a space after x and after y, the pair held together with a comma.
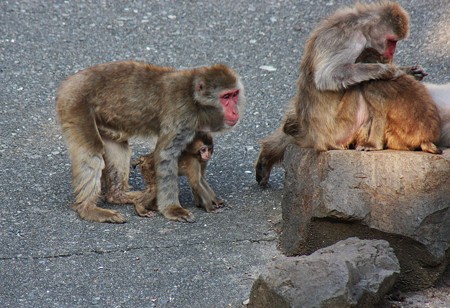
x: 272, y: 153
x: 86, y: 150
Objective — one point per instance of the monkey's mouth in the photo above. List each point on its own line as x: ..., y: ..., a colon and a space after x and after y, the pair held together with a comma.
x: 231, y: 122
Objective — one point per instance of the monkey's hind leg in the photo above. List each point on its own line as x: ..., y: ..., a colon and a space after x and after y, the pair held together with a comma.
x: 117, y: 171
x: 144, y: 202
x: 86, y: 152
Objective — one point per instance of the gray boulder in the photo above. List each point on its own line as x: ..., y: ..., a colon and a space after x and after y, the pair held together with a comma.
x: 350, y: 273
x: 402, y: 197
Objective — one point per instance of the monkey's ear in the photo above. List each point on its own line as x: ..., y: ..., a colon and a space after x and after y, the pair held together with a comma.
x: 199, y: 85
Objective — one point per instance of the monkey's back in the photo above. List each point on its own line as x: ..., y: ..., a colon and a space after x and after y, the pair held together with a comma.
x: 412, y: 115
x: 121, y: 94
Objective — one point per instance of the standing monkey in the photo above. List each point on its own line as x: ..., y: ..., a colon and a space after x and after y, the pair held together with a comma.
x: 314, y: 117
x: 101, y: 107
x: 192, y: 163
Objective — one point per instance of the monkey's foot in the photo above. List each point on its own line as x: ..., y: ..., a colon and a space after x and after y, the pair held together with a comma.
x: 98, y: 214
x: 366, y: 148
x: 430, y: 147
x: 177, y: 213
x: 144, y: 212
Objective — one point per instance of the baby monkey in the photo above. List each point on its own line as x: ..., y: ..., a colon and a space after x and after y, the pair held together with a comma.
x: 192, y: 163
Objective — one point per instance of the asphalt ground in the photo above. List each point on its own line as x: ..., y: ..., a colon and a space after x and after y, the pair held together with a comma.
x: 51, y: 258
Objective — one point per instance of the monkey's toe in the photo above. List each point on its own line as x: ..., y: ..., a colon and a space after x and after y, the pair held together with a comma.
x: 366, y: 148
x: 190, y: 218
x: 148, y: 214
x: 430, y: 148
x: 218, y: 210
x: 143, y: 212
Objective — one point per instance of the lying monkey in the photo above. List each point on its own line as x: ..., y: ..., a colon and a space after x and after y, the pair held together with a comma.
x: 192, y: 163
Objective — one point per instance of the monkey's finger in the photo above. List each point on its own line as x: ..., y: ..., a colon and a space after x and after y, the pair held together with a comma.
x: 218, y: 210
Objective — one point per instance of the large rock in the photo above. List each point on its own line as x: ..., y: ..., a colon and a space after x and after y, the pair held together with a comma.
x: 350, y: 273
x: 402, y: 197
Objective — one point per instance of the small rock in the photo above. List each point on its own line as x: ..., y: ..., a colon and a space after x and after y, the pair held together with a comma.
x: 346, y: 274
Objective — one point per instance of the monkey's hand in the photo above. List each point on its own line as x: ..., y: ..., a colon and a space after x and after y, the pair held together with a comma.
x: 209, y: 201
x: 417, y: 71
x: 214, y: 206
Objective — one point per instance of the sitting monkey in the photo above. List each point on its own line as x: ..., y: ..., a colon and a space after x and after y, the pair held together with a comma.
x: 403, y: 115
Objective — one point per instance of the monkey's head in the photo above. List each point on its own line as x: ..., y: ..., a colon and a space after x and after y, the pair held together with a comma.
x: 219, y: 87
x: 389, y: 24
x: 201, y: 146
x: 205, y: 152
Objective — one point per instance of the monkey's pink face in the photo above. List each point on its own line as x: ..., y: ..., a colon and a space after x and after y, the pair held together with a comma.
x: 205, y: 153
x: 229, y: 100
x: 391, y: 44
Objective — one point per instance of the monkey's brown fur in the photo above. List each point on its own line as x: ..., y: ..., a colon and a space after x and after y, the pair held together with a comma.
x: 101, y: 107
x: 190, y: 164
x: 315, y: 118
x: 403, y: 115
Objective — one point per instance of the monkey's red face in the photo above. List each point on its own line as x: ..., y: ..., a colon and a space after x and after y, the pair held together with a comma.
x: 205, y: 152
x: 391, y: 44
x: 229, y: 100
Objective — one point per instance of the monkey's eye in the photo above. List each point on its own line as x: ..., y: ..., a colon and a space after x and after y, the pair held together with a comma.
x: 226, y: 96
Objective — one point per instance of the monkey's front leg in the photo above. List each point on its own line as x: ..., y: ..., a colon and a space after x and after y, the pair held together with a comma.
x: 216, y: 202
x: 166, y: 155
x: 204, y: 195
